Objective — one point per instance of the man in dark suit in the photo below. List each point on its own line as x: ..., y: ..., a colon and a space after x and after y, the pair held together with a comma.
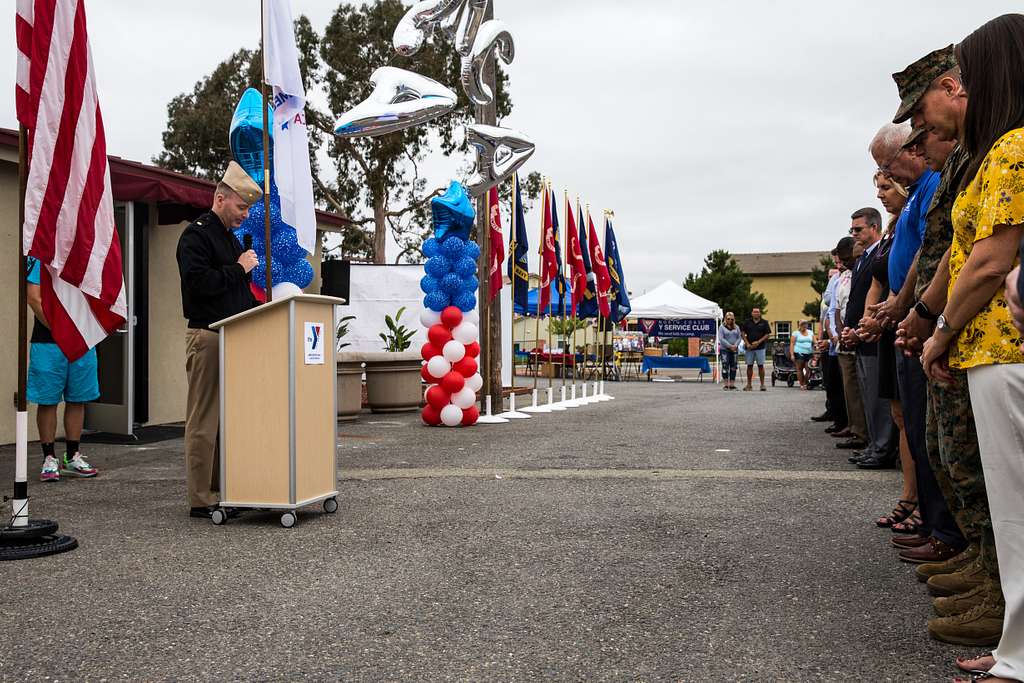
x: 866, y: 230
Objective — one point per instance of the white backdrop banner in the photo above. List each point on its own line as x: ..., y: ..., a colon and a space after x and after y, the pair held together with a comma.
x: 379, y: 290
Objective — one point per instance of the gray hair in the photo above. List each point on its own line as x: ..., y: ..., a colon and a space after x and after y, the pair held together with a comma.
x: 890, y: 138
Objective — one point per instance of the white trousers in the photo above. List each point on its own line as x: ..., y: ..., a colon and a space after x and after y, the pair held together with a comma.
x: 997, y: 397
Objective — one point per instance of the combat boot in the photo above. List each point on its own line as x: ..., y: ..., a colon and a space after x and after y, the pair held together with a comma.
x: 960, y: 581
x: 980, y: 626
x: 964, y: 602
x: 927, y: 571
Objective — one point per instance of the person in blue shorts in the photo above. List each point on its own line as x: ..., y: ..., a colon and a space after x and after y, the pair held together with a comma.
x: 756, y: 331
x: 52, y: 380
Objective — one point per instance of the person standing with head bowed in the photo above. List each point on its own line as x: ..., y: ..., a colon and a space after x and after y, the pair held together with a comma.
x: 215, y: 276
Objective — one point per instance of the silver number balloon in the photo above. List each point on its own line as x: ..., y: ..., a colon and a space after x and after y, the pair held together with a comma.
x: 501, y: 151
x: 494, y: 36
x: 469, y: 23
x: 421, y: 19
x: 400, y: 99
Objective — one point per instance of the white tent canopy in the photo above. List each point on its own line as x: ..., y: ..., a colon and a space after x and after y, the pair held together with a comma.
x: 669, y: 300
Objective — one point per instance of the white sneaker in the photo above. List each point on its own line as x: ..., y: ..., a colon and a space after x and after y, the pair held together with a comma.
x: 50, y: 471
x: 78, y: 467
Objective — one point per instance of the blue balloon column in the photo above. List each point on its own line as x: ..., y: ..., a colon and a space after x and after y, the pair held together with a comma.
x: 288, y: 259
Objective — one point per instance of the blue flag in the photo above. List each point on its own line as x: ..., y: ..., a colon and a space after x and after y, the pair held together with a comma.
x: 588, y: 305
x: 618, y: 297
x: 518, y: 247
x: 560, y: 278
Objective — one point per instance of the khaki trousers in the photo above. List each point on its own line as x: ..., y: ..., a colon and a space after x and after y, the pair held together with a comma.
x: 202, y: 417
x: 857, y: 422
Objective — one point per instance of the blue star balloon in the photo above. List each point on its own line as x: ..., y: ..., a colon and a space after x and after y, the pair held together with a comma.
x: 245, y: 135
x: 453, y: 213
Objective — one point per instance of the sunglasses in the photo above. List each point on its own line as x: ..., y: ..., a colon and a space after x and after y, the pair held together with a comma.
x: 854, y: 231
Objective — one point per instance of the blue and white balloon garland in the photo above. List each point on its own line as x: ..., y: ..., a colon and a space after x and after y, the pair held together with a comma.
x: 450, y: 316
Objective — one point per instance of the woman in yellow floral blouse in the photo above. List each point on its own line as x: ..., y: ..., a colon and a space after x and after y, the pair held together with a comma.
x: 975, y: 331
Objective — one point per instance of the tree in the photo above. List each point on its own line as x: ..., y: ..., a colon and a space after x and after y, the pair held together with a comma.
x: 375, y: 181
x: 819, y: 283
x: 722, y: 281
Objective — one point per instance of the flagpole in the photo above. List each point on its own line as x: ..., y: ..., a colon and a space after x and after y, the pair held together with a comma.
x: 561, y: 295
x: 269, y: 284
x: 19, y: 508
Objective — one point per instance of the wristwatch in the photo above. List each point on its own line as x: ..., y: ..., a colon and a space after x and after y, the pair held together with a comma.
x: 924, y: 312
x: 942, y: 326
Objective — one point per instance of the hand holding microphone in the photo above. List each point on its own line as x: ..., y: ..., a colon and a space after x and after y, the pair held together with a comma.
x: 248, y: 260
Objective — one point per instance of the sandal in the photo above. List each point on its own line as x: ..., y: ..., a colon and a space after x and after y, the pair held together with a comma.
x: 911, y: 525
x: 903, y: 509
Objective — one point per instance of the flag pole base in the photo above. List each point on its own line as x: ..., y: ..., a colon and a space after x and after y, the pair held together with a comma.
x: 601, y: 396
x: 574, y: 401
x: 512, y: 413
x: 551, y: 401
x: 38, y: 538
x: 536, y: 408
x: 487, y: 418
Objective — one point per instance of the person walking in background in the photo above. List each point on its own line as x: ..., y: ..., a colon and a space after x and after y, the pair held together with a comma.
x: 729, y: 338
x: 756, y: 332
x: 801, y: 348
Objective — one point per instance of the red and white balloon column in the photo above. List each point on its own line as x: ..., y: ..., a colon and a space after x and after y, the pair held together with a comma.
x: 451, y: 369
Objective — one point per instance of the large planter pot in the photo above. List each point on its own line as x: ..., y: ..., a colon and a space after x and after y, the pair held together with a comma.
x: 350, y: 385
x: 393, y: 383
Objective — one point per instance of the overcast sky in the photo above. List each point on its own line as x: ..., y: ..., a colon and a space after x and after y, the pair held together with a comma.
x: 741, y: 126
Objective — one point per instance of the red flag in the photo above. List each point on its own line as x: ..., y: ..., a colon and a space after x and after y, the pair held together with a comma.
x: 497, y: 242
x: 548, y: 259
x: 574, y: 257
x: 600, y: 268
x: 69, y: 210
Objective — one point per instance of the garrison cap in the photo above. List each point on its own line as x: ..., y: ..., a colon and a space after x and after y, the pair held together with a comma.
x: 915, y: 80
x: 243, y: 185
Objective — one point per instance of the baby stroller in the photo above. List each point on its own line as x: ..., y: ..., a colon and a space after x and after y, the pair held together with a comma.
x: 783, y: 369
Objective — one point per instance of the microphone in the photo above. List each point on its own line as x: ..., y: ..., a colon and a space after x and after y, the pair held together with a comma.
x: 247, y: 241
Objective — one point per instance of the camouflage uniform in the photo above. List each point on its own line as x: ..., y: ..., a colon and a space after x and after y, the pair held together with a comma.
x: 951, y: 433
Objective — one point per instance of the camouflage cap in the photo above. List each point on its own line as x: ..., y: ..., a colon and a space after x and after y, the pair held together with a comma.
x: 915, y: 80
x: 915, y: 137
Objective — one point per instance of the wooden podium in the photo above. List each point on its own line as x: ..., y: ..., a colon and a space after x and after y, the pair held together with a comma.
x: 278, y: 407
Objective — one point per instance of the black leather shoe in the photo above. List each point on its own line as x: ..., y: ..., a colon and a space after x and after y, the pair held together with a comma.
x: 856, y: 457
x: 832, y: 429
x: 824, y: 417
x: 852, y: 444
x: 874, y: 463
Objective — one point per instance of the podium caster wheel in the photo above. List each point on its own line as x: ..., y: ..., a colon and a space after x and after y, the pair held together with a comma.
x: 219, y: 516
x: 331, y: 506
x: 288, y: 520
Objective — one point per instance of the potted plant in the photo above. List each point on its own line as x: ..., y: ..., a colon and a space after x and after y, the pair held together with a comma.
x: 393, y: 381
x: 350, y: 375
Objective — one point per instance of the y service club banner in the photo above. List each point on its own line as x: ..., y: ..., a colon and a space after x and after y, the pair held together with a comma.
x: 678, y: 327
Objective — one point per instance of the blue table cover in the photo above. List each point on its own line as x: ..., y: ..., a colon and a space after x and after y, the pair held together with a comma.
x: 693, y: 362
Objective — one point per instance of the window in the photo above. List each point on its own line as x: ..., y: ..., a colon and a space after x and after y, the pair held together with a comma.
x: 782, y: 329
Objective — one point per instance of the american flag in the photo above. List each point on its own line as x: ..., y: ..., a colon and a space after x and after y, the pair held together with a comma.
x: 69, y: 210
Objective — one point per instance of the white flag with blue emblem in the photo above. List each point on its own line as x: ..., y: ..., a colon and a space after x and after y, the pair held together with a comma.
x: 291, y: 139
